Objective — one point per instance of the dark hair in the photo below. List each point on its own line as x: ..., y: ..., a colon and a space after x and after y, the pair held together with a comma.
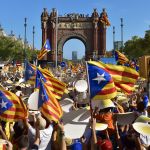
x: 105, y: 110
x: 140, y: 106
x: 18, y: 129
x: 129, y: 142
x: 18, y: 88
x: 23, y: 142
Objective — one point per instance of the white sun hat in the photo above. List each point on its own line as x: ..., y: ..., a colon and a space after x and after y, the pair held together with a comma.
x: 143, y: 119
x: 142, y: 128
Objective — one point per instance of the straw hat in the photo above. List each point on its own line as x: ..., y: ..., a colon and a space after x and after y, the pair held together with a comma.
x: 68, y: 141
x: 120, y: 94
x: 106, y: 103
x: 125, y: 118
x: 121, y: 99
x: 101, y: 126
x: 143, y: 119
x: 142, y: 128
x: 9, y: 82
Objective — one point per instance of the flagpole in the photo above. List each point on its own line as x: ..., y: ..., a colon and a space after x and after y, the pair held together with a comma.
x: 89, y: 87
x: 56, y: 35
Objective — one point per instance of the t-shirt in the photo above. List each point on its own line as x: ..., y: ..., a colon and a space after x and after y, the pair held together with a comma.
x: 45, y: 137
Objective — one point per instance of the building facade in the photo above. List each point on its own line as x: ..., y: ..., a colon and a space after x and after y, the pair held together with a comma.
x: 74, y: 55
x: 91, y: 30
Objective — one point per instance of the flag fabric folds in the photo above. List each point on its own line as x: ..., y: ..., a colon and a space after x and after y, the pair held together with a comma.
x: 12, y: 107
x: 48, y: 104
x: 30, y: 70
x: 122, y: 74
x: 105, y: 20
x: 46, y: 48
x: 101, y: 84
x: 123, y: 77
x: 54, y: 85
x: 3, y: 147
x: 121, y: 58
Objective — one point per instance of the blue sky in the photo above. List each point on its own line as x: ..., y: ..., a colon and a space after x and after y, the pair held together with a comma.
x: 136, y: 15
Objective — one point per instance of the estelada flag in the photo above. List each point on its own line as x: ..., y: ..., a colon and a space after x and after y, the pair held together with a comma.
x: 121, y: 58
x: 12, y: 107
x: 54, y: 85
x: 123, y: 77
x: 48, y: 104
x: 45, y: 49
x: 30, y: 71
x: 101, y: 84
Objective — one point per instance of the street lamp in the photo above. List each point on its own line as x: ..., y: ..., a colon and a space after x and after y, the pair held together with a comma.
x: 25, y: 38
x: 121, y: 33
x: 33, y: 37
x: 114, y: 37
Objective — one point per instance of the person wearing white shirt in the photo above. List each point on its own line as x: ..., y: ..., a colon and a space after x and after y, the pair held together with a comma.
x: 45, y: 134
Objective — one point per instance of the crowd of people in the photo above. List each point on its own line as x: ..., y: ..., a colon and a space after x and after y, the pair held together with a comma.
x: 35, y: 132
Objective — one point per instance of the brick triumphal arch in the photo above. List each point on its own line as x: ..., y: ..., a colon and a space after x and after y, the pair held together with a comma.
x: 91, y: 30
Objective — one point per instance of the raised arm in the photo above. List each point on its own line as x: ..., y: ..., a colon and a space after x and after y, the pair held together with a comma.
x: 94, y: 138
x: 62, y: 137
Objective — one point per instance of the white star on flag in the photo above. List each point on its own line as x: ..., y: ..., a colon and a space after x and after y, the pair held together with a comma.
x: 40, y: 78
x: 3, y: 104
x: 42, y: 96
x: 100, y: 78
x: 30, y: 72
x: 46, y: 46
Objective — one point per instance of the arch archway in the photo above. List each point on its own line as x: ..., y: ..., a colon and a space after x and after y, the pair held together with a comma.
x: 73, y: 45
x: 67, y: 37
x: 91, y: 30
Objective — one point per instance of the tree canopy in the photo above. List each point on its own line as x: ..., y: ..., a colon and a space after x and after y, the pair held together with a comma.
x: 137, y: 46
x: 11, y: 49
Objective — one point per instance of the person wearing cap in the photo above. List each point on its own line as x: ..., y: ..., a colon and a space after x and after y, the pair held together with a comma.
x: 45, y: 133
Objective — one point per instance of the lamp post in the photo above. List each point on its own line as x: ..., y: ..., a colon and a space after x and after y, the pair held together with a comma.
x: 25, y: 38
x: 33, y: 37
x: 114, y: 37
x: 121, y: 34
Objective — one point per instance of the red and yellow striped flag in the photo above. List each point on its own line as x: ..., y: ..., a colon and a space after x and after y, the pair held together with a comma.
x: 12, y: 107
x: 123, y: 77
x: 48, y: 104
x: 121, y: 58
x: 54, y: 85
x: 30, y: 70
x: 101, y: 84
x: 45, y: 49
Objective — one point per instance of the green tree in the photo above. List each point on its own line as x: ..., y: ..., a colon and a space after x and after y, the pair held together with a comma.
x: 137, y: 47
x: 11, y: 49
